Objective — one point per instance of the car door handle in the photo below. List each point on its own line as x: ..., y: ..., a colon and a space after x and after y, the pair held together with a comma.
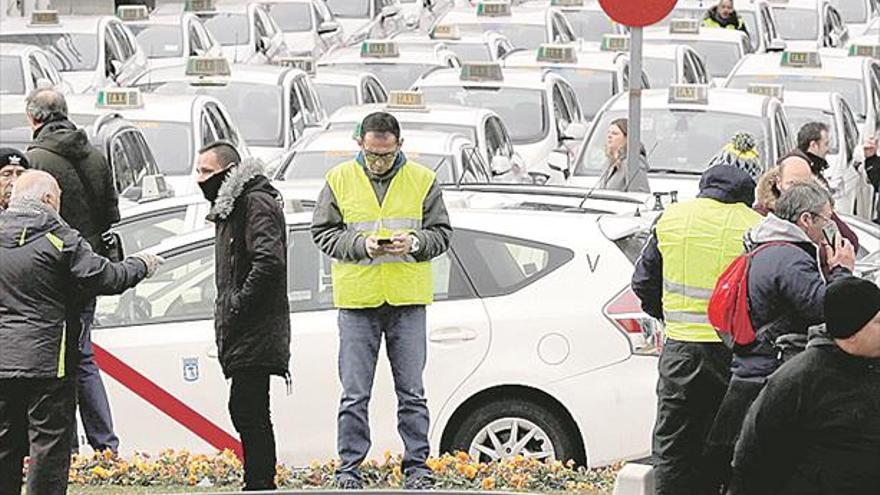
x: 453, y: 334
x: 211, y: 351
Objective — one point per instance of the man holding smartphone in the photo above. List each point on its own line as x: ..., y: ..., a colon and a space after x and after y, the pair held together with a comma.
x: 381, y: 218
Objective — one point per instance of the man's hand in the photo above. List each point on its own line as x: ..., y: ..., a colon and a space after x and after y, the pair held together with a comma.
x: 401, y: 244
x: 843, y: 254
x: 373, y: 248
x: 153, y: 261
x: 870, y: 147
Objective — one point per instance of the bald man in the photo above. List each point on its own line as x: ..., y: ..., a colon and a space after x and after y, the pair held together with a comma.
x: 47, y: 268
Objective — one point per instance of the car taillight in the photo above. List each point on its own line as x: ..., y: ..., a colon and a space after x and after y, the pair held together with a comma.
x: 645, y: 334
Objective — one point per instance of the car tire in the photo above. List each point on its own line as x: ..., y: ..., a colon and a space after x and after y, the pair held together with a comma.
x: 552, y: 424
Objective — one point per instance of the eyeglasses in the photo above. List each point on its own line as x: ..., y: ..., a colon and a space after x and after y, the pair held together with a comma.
x: 370, y: 155
x: 823, y: 217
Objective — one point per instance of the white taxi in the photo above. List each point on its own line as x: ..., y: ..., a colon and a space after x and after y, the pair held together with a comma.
x: 273, y: 106
x: 856, y: 78
x: 169, y: 39
x: 482, y: 126
x: 588, y: 21
x: 175, y: 126
x: 540, y: 109
x: 473, y: 47
x: 757, y: 16
x: 809, y: 24
x: 308, y: 25
x: 567, y: 380
x: 525, y: 27
x: 24, y: 68
x: 91, y: 52
x: 356, y: 16
x: 857, y: 14
x: 396, y: 66
x: 339, y: 88
x: 683, y: 128
x: 662, y: 64
x: 721, y: 49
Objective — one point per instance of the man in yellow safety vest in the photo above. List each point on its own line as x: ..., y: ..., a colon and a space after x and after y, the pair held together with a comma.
x: 381, y: 218
x: 723, y: 15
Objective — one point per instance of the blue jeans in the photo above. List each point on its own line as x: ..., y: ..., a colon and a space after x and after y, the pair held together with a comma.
x: 91, y: 396
x: 360, y: 334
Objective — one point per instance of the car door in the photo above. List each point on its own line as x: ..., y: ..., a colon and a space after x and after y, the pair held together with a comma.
x: 269, y: 38
x: 132, y: 68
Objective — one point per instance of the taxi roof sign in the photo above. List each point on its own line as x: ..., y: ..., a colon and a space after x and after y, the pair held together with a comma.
x: 132, y: 12
x: 207, y: 66
x: 119, y: 98
x: 481, y: 71
x: 493, y: 9
x: 684, y: 26
x: 689, y: 93
x: 446, y: 32
x: 567, y: 3
x: 407, y: 100
x: 199, y: 5
x: 379, y: 49
x: 801, y: 59
x: 305, y: 64
x: 774, y: 90
x: 44, y: 18
x: 861, y: 50
x: 615, y: 43
x: 558, y: 54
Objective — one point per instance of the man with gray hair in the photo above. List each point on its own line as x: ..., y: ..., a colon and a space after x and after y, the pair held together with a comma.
x: 46, y: 266
x: 786, y: 294
x: 89, y: 205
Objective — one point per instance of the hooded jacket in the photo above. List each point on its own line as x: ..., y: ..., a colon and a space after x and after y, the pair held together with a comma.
x: 786, y: 292
x: 47, y: 271
x: 59, y: 148
x: 251, y: 312
x: 723, y: 183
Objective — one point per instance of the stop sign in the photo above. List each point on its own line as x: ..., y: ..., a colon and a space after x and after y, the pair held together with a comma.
x: 637, y: 13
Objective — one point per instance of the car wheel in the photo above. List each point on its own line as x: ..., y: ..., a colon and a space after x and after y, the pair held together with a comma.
x: 512, y: 427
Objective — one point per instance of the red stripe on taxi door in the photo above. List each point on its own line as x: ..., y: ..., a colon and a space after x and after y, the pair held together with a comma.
x: 165, y: 402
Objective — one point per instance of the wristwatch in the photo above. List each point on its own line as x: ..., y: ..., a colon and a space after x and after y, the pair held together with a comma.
x: 416, y: 244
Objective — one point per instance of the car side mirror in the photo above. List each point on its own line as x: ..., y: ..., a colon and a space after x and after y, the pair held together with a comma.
x: 328, y: 27
x: 115, y: 67
x: 501, y: 165
x: 539, y: 178
x: 777, y: 45
x: 153, y: 187
x: 560, y: 161
x: 389, y: 11
x: 575, y: 131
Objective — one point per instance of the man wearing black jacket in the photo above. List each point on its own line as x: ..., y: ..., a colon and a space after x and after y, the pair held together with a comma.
x: 251, y: 314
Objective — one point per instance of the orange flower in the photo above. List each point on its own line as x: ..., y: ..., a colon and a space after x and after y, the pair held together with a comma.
x: 488, y: 484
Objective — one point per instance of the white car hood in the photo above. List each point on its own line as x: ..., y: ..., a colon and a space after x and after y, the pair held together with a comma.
x: 80, y: 82
x: 300, y: 43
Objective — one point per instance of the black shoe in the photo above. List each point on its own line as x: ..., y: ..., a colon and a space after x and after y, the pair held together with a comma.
x: 421, y: 481
x: 348, y: 482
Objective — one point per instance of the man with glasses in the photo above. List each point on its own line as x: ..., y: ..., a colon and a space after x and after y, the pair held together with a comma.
x: 13, y: 163
x: 786, y: 294
x: 381, y: 218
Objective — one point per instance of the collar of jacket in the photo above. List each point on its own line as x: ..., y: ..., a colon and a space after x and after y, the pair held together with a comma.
x: 54, y: 125
x: 233, y: 186
x: 817, y: 163
x: 398, y: 162
x: 775, y: 229
x: 32, y: 207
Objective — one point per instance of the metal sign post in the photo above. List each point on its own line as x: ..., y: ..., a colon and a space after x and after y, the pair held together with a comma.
x: 634, y: 136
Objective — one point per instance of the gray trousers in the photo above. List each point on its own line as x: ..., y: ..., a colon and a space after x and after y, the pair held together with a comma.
x: 360, y: 334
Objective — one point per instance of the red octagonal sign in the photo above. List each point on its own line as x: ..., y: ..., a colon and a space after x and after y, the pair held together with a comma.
x: 637, y: 13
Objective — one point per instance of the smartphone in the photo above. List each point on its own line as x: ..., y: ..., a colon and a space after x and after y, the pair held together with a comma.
x: 830, y: 233
x: 385, y: 241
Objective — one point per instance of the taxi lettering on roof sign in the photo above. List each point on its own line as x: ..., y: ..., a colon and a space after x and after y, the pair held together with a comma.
x: 207, y: 66
x: 481, y: 72
x: 446, y: 32
x: 406, y: 100
x: 44, y: 18
x: 872, y: 51
x: 774, y: 90
x: 133, y: 12
x: 684, y: 26
x: 305, y: 64
x: 379, y: 49
x: 567, y: 3
x: 560, y: 54
x: 689, y: 93
x: 615, y: 43
x: 493, y: 9
x: 199, y: 5
x: 801, y: 59
x: 119, y: 98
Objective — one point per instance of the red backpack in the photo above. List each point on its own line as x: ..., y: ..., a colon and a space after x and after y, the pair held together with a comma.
x: 729, y: 305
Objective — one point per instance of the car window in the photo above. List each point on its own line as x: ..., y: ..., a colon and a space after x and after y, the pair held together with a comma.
x: 221, y: 124
x: 379, y: 94
x: 475, y: 170
x: 850, y: 130
x: 119, y: 160
x: 690, y: 71
x: 130, y: 147
x: 146, y: 231
x: 571, y: 99
x: 36, y: 70
x: 111, y: 51
x: 196, y: 46
x: 779, y: 132
x: 209, y: 134
x: 297, y: 120
x: 874, y: 82
x: 560, y: 109
x: 312, y: 112
x: 500, y: 265
x: 12, y: 78
x: 126, y: 48
x: 494, y: 139
x: 48, y: 69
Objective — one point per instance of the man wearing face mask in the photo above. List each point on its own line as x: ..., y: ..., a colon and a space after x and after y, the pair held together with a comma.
x: 251, y: 314
x: 381, y: 218
x: 786, y: 294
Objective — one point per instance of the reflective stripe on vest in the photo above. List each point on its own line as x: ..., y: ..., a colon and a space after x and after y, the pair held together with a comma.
x: 697, y: 239
x: 396, y: 280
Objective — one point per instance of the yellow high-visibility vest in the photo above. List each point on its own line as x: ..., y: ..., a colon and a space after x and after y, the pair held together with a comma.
x: 395, y: 280
x: 712, y: 23
x: 697, y: 239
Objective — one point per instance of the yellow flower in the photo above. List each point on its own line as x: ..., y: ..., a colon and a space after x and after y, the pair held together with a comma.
x: 101, y: 472
x: 462, y: 456
x: 488, y: 484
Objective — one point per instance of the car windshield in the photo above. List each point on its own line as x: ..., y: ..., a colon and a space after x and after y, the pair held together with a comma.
x: 520, y: 35
x: 228, y: 28
x: 720, y: 56
x: 676, y: 141
x: 593, y: 87
x: 68, y: 52
x: 852, y: 10
x: 852, y: 90
x: 159, y: 41
x: 171, y: 143
x: 797, y: 117
x: 797, y: 24
x: 590, y: 25
x: 335, y: 96
x: 660, y: 71
x: 411, y: 125
x: 350, y: 9
x: 11, y: 76
x: 395, y: 77
x: 517, y: 107
x: 471, y: 52
x: 314, y: 165
x: 292, y: 17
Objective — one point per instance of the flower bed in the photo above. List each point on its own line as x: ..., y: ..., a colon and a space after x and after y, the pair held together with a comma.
x: 453, y: 472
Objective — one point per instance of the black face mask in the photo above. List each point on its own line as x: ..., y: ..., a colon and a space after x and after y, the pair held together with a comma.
x: 211, y: 186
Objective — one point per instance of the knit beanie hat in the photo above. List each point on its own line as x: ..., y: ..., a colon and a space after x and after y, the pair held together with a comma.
x: 850, y: 303
x: 741, y: 153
